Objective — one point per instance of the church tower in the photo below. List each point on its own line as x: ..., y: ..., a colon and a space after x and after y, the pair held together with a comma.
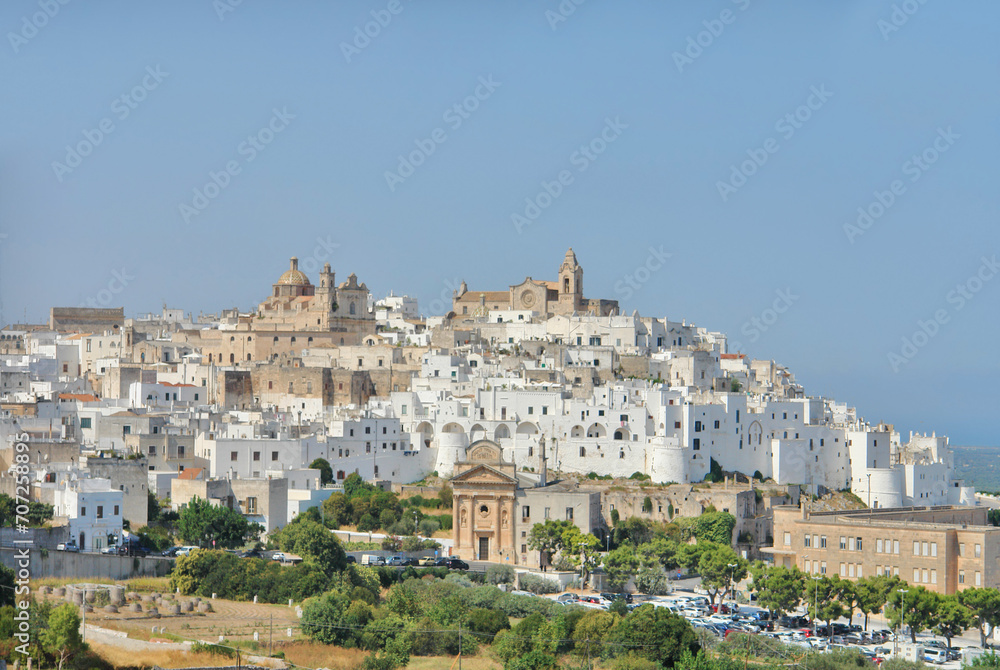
x: 570, y: 284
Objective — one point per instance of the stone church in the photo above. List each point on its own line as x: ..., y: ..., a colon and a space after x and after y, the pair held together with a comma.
x: 564, y: 296
x: 493, y: 505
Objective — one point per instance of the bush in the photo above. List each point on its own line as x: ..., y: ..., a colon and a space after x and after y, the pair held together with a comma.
x: 216, y: 649
x: 500, y: 574
x: 367, y: 523
x: 652, y: 582
x: 538, y: 585
x: 487, y: 622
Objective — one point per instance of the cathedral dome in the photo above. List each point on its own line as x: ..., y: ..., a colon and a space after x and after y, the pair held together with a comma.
x: 293, y: 276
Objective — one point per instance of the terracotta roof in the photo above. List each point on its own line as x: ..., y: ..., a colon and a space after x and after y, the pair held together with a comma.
x: 79, y: 397
x: 176, y: 385
x: 190, y: 473
x: 733, y: 356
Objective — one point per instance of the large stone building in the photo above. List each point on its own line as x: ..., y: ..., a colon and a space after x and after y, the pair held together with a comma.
x: 564, y: 296
x: 495, y: 507
x: 297, y: 304
x: 944, y: 548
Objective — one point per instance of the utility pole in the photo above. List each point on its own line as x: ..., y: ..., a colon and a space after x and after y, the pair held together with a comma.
x: 459, y: 645
x: 902, y: 614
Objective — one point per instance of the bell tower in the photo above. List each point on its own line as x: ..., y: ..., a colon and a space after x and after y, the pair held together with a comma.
x: 570, y: 283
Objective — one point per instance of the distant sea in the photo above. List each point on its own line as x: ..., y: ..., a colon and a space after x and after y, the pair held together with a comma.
x: 978, y: 466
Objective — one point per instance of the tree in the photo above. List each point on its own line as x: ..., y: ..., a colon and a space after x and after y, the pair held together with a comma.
x: 325, y: 471
x: 720, y: 567
x: 778, y: 588
x: 584, y: 548
x: 952, y: 618
x: 62, y: 637
x: 847, y: 595
x: 873, y: 592
x: 309, y: 539
x: 7, y: 576
x: 548, y: 538
x: 715, y: 527
x: 657, y: 634
x: 821, y: 598
x: 917, y: 606
x: 984, y: 605
x: 620, y: 565
x: 659, y: 550
x: 445, y: 495
x: 201, y: 523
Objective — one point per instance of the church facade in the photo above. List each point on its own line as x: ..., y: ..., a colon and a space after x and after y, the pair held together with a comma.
x: 564, y: 296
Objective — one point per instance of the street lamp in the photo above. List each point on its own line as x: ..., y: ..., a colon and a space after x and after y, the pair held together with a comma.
x: 902, y: 614
x: 869, y: 498
x: 816, y: 578
x: 732, y: 577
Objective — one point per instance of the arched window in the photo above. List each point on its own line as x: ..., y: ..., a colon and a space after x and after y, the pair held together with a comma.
x: 232, y: 358
x: 248, y: 357
x: 352, y: 308
x: 566, y: 285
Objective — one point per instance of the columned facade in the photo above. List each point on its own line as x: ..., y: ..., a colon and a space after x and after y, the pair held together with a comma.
x: 484, y: 495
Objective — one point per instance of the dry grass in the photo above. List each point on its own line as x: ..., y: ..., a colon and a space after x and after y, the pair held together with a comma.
x: 56, y: 582
x: 315, y: 655
x: 440, y: 662
x: 123, y: 658
x: 150, y: 584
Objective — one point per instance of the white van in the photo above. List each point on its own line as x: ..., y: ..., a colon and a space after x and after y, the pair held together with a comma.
x: 371, y: 559
x: 935, y: 655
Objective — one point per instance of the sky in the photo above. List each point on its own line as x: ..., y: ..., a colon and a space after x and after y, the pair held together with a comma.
x: 815, y: 179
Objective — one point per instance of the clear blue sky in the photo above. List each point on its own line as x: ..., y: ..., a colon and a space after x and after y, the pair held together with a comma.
x: 886, y: 94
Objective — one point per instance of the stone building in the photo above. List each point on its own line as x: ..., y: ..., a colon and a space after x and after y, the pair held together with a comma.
x: 564, y: 296
x: 943, y: 548
x: 495, y: 507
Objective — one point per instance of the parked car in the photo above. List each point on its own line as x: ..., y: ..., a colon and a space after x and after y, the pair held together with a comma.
x: 456, y: 564
x: 67, y: 546
x: 611, y: 597
x: 184, y: 551
x: 278, y: 556
x: 935, y: 655
x: 372, y: 559
x: 171, y: 552
x: 110, y: 550
x: 351, y: 559
x: 254, y: 553
x: 396, y: 561
x: 427, y: 561
x: 131, y: 550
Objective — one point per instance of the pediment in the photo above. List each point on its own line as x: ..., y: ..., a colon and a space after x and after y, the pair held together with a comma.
x: 484, y: 474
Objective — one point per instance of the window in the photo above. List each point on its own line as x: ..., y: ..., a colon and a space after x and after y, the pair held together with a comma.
x: 525, y: 512
x: 822, y: 542
x: 152, y: 450
x: 85, y: 421
x: 850, y: 544
x: 116, y: 510
x: 979, y: 578
x: 916, y: 548
x: 850, y: 570
x: 569, y: 513
x: 274, y: 455
x: 843, y: 542
x: 859, y: 571
x: 979, y: 552
x: 251, y: 505
x: 256, y: 455
x: 100, y: 511
x: 961, y: 549
x: 547, y: 512
x: 83, y: 511
x: 916, y: 575
x: 822, y: 568
x: 843, y: 569
x: 233, y: 456
x: 961, y: 576
x: 807, y: 541
x: 545, y: 409
x: 716, y: 425
x: 677, y: 424
x: 895, y: 547
x: 925, y: 577
x: 815, y: 537
x: 788, y: 539
x: 531, y: 410
x: 878, y: 546
x: 403, y: 410
x: 924, y: 550
x: 524, y: 548
x: 696, y: 444
x: 933, y: 576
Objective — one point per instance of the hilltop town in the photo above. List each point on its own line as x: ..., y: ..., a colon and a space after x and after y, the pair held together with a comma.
x: 554, y: 392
